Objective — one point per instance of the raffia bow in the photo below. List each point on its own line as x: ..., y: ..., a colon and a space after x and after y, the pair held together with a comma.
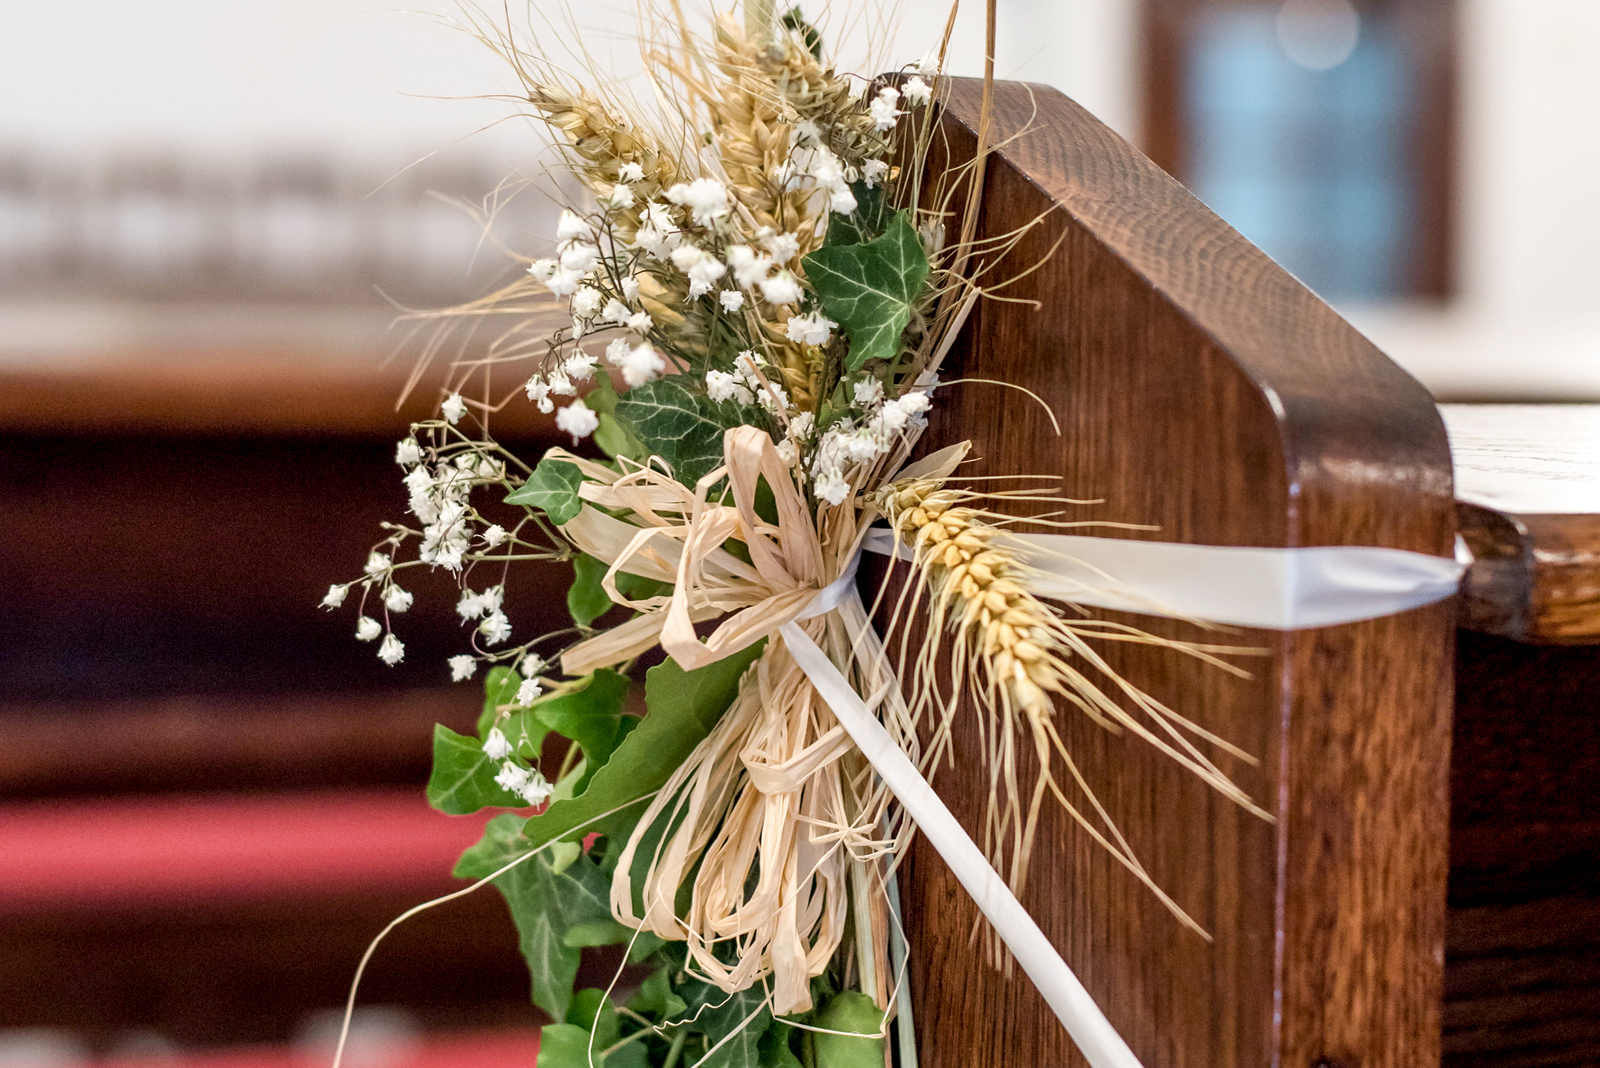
x: 775, y: 806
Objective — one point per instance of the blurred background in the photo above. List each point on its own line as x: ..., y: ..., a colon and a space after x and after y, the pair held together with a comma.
x: 211, y: 212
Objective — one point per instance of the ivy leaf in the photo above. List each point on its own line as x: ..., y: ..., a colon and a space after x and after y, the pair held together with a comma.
x: 774, y: 1047
x: 865, y: 223
x: 564, y: 1046
x: 463, y: 776
x: 553, y: 487
x: 549, y: 896
x: 500, y: 688
x: 593, y: 1011
x: 856, y: 1013
x: 591, y: 717
x: 675, y: 423
x: 741, y: 1018
x: 612, y: 437
x: 684, y: 706
x: 870, y: 288
x: 655, y: 996
x: 587, y: 599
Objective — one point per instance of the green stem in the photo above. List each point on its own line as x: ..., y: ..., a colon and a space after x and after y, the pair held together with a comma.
x: 676, y: 1048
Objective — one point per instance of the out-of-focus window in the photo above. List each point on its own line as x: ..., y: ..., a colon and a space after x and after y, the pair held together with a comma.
x: 1317, y: 129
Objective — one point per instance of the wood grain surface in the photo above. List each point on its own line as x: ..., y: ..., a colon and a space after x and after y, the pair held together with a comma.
x: 1202, y: 390
x: 1522, y: 963
x: 1528, y: 479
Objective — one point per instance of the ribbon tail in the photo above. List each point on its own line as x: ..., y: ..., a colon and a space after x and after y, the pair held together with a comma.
x: 1099, y: 1042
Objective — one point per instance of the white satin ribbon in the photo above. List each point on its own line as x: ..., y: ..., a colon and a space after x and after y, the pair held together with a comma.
x: 1099, y: 1042
x: 1274, y: 589
x: 1278, y: 589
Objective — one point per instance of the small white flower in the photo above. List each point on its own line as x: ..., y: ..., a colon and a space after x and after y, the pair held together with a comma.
x: 928, y: 65
x: 453, y: 408
x: 813, y: 329
x: 536, y: 791
x: 831, y: 487
x: 782, y: 288
x: 392, y: 650
x: 397, y: 600
x: 702, y: 267
x: 579, y: 366
x: 586, y: 301
x: 782, y: 246
x: 630, y: 288
x: 615, y: 312
x: 621, y: 197
x: 528, y: 692
x: 749, y: 269
x: 630, y: 172
x: 640, y: 322
x: 470, y: 606
x: 641, y: 364
x: 408, y: 453
x: 868, y: 391
x: 807, y: 132
x: 617, y: 351
x: 841, y: 200
x: 496, y: 746
x: 802, y: 426
x: 732, y: 300
x: 578, y: 420
x: 564, y: 281
x: 884, y: 110
x: 335, y: 596
x: 788, y: 451
x: 539, y: 392
x: 560, y: 384
x: 496, y: 628
x: 493, y: 536
x: 377, y: 564
x: 916, y: 90
x: 722, y: 386
x: 872, y: 172
x: 580, y: 257
x: 542, y: 270
x: 512, y: 776
x: 462, y: 668
x: 706, y: 199
x: 572, y: 226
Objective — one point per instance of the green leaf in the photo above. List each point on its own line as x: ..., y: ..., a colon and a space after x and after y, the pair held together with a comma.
x: 775, y: 1049
x: 565, y: 1046
x: 684, y: 706
x: 549, y: 896
x: 675, y: 423
x: 856, y: 1013
x: 591, y: 717
x: 463, y: 776
x: 587, y: 599
x: 500, y: 688
x: 655, y: 996
x: 870, y: 288
x: 593, y: 1011
x: 553, y: 487
x: 864, y: 224
x: 612, y: 437
x: 741, y: 1018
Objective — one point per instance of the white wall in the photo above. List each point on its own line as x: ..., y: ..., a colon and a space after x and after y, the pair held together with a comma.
x: 239, y: 75
x: 1526, y: 321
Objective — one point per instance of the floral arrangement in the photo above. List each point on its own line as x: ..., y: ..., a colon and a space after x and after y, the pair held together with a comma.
x: 772, y: 272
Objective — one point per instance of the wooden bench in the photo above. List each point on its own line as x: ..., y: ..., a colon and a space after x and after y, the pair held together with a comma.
x: 1202, y: 389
